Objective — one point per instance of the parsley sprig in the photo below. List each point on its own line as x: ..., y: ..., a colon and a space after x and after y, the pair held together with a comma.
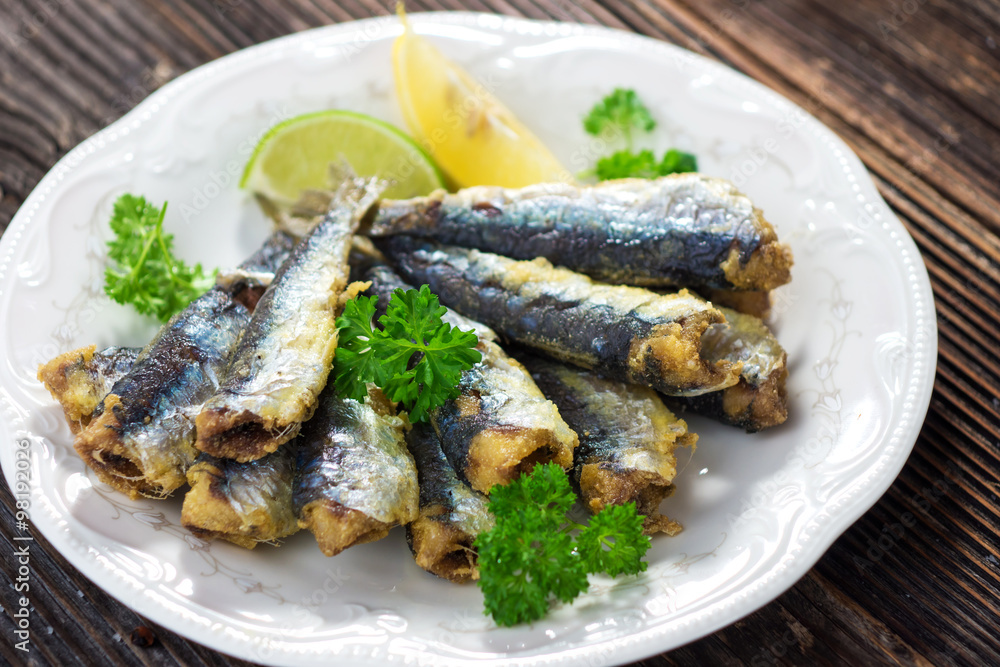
x: 619, y: 115
x: 626, y: 164
x: 620, y: 112
x: 143, y: 270
x: 412, y: 331
x: 531, y: 556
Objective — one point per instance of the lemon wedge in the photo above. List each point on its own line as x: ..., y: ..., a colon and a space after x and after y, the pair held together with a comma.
x: 473, y: 137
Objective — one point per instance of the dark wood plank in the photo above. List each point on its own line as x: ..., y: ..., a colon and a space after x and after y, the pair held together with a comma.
x: 911, y: 86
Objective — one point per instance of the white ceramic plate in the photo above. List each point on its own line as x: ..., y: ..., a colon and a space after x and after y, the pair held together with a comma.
x: 759, y: 511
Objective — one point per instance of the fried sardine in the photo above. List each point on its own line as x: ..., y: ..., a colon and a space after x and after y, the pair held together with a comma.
x: 140, y: 439
x: 244, y: 503
x: 282, y: 360
x: 684, y: 230
x: 355, y: 477
x: 500, y: 424
x: 451, y: 513
x: 627, y: 439
x: 81, y: 378
x: 627, y: 333
x: 759, y: 400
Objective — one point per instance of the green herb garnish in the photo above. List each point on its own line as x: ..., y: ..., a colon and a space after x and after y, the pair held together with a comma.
x: 411, y: 326
x: 620, y: 113
x: 677, y: 162
x: 626, y: 164
x: 144, y: 271
x: 530, y: 556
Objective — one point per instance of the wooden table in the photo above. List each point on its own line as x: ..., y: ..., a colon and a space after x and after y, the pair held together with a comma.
x: 912, y: 85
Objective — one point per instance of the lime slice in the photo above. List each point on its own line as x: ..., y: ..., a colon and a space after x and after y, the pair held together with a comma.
x: 471, y: 134
x: 296, y: 155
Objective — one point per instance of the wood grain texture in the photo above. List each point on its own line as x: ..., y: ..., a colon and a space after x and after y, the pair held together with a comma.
x: 913, y: 86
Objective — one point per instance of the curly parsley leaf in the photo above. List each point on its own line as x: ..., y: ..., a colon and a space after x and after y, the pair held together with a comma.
x: 530, y: 557
x: 545, y: 492
x: 613, y: 542
x: 626, y: 164
x: 415, y: 358
x: 619, y: 113
x: 527, y: 567
x: 143, y: 270
x: 356, y: 362
x: 677, y: 162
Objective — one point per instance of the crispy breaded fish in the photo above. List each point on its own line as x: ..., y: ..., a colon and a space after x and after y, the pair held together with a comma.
x: 500, y: 425
x: 355, y: 477
x: 244, y: 503
x: 751, y: 302
x: 684, y: 229
x: 282, y: 361
x: 451, y: 513
x: 627, y: 439
x: 140, y: 439
x: 627, y: 333
x: 759, y: 400
x: 80, y: 379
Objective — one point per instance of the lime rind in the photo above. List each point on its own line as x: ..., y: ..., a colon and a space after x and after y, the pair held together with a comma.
x: 404, y: 145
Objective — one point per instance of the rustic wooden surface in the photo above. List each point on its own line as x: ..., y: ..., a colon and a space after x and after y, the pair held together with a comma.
x: 912, y: 85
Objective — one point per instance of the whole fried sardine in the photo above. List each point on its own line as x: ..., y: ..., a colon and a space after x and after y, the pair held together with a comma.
x: 355, y: 477
x: 627, y: 333
x: 451, y: 513
x: 500, y: 425
x: 627, y: 439
x: 244, y: 503
x: 80, y: 379
x: 759, y: 400
x: 282, y: 361
x: 140, y: 439
x: 684, y: 229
